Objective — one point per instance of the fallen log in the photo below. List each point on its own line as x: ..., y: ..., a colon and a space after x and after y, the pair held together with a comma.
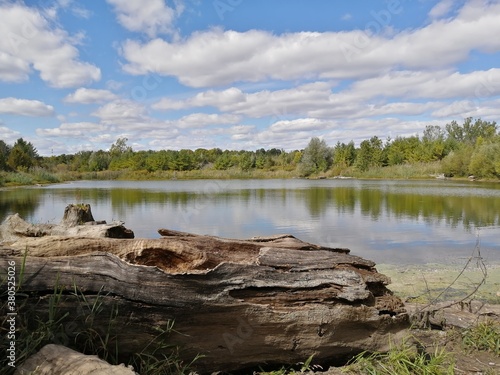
x: 239, y: 303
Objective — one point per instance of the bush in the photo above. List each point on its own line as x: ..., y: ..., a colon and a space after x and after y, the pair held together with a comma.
x: 456, y: 163
x: 485, y: 161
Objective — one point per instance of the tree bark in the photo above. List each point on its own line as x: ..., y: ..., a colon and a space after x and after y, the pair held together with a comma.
x: 239, y: 303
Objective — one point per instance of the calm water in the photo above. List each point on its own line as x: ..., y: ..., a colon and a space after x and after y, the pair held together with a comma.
x: 394, y: 222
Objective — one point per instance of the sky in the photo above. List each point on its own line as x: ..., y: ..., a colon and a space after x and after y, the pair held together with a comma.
x: 242, y: 74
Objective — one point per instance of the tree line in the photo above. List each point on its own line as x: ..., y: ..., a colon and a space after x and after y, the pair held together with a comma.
x: 472, y: 147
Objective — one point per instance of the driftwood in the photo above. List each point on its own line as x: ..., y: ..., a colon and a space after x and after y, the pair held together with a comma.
x: 446, y: 315
x: 239, y: 303
x: 77, y: 221
x: 59, y: 360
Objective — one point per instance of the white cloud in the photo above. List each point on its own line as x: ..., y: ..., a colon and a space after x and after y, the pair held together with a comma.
x: 9, y: 136
x: 67, y: 5
x: 29, y: 40
x: 301, y: 124
x: 24, y: 107
x: 432, y: 84
x: 151, y: 17
x: 199, y: 120
x: 88, y: 96
x: 121, y: 112
x: 486, y: 110
x: 72, y: 130
x: 13, y: 69
x: 166, y: 104
x: 441, y: 9
x: 218, y: 57
x: 278, y: 103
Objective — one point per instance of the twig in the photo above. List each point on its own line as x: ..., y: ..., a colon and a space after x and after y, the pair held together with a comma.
x: 482, y: 267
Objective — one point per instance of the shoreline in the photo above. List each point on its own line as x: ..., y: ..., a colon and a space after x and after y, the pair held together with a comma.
x: 196, y: 175
x: 437, y: 282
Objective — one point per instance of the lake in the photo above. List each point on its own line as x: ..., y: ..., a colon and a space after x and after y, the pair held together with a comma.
x: 391, y: 222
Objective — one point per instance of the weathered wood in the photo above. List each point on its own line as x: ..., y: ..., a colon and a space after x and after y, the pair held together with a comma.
x: 240, y: 303
x: 59, y: 360
x: 77, y: 214
x: 77, y: 221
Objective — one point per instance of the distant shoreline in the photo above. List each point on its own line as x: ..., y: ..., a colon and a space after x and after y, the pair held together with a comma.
x: 20, y: 179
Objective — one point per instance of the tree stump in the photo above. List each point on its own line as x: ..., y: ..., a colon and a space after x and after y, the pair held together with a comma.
x: 77, y: 214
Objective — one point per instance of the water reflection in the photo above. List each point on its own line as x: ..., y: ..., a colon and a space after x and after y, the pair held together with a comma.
x: 377, y: 219
x: 23, y: 201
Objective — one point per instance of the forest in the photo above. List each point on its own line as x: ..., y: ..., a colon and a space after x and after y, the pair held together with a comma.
x: 457, y: 150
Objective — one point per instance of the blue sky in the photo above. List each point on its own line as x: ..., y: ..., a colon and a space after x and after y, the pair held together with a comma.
x: 242, y: 74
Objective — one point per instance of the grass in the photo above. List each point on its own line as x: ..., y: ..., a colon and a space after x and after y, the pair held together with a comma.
x: 303, y: 367
x: 79, y: 330
x: 404, y: 359
x: 483, y: 336
x: 43, y: 176
x: 401, y: 171
x: 35, y: 176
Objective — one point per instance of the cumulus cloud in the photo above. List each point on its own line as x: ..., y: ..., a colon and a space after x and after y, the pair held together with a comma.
x: 72, y: 130
x: 218, y: 57
x: 9, y: 136
x: 301, y: 124
x: 30, y: 41
x: 275, y: 103
x: 89, y: 96
x: 121, y: 112
x: 151, y: 17
x: 199, y: 120
x: 24, y: 107
x: 432, y: 84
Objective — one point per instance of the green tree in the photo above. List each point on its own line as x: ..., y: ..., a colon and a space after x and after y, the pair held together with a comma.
x: 224, y: 161
x: 4, y: 155
x: 344, y: 155
x: 22, y: 156
x: 120, y: 147
x: 121, y: 155
x: 157, y: 161
x: 98, y: 161
x: 470, y: 131
x: 456, y: 163
x: 434, y: 145
x: 183, y: 160
x: 317, y: 157
x: 485, y: 161
x: 80, y: 161
x: 246, y: 161
x: 370, y: 154
x: 412, y: 149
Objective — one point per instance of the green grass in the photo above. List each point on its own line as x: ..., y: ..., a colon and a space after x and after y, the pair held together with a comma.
x: 300, y: 368
x: 401, y: 171
x: 43, y: 176
x: 483, y: 336
x: 78, y: 330
x: 35, y: 176
x: 404, y: 359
